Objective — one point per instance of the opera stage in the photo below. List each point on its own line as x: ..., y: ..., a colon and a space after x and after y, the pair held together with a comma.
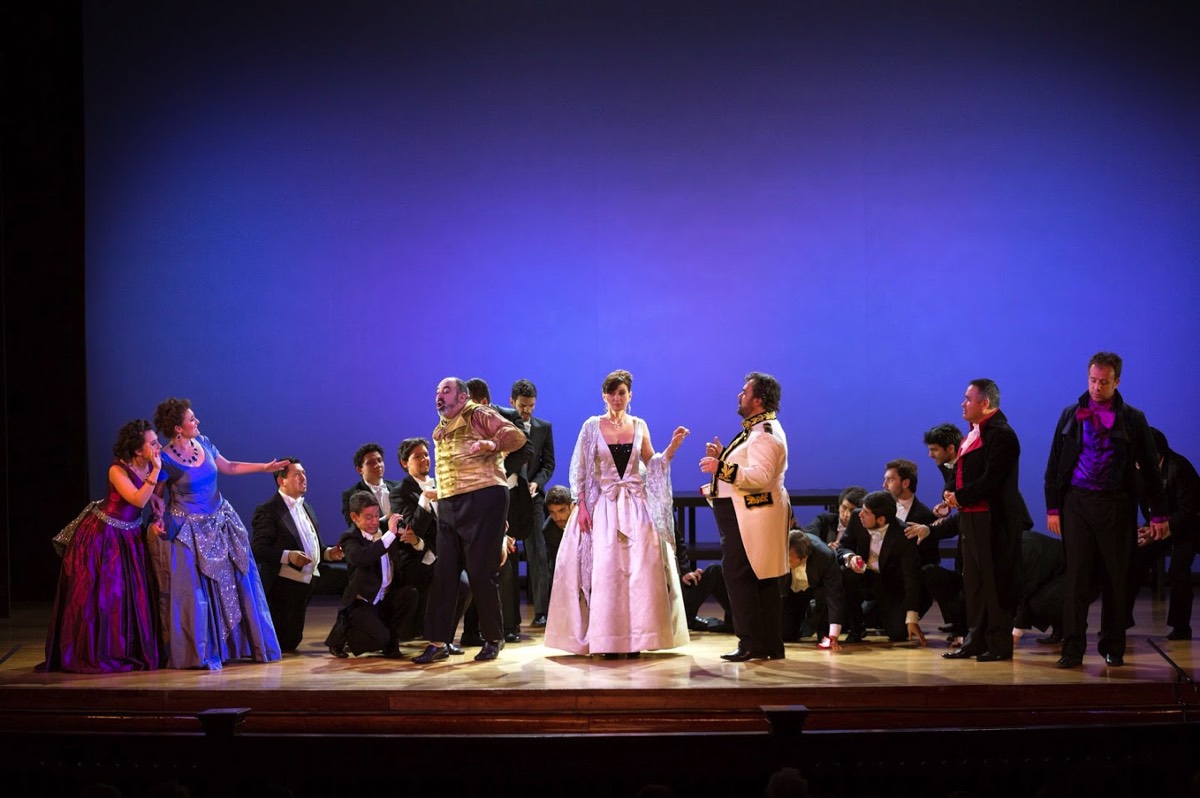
x: 687, y: 703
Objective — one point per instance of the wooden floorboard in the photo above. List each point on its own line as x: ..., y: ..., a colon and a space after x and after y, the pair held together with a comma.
x: 535, y: 690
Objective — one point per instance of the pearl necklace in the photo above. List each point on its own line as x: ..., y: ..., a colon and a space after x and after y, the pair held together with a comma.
x: 616, y: 424
x: 181, y: 457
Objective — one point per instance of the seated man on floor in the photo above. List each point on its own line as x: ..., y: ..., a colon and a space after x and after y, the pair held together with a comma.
x: 882, y: 566
x: 376, y: 612
x: 900, y: 480
x: 559, y: 506
x: 1041, y: 587
x: 830, y: 527
x: 813, y: 596
x: 697, y: 585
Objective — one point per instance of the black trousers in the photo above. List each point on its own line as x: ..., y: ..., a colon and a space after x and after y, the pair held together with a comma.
x: 1099, y: 532
x: 470, y: 531
x: 754, y: 601
x: 376, y: 627
x: 510, y: 603
x: 712, y: 583
x: 802, y: 612
x: 288, y: 603
x: 989, y: 590
x: 1181, y: 547
x: 888, y: 609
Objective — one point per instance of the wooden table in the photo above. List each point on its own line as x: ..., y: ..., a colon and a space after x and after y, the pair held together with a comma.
x: 686, y: 502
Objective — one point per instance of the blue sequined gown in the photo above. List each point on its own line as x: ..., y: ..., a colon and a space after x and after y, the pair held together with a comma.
x: 211, y: 601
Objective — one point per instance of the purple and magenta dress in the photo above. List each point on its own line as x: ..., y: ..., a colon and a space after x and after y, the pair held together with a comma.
x: 212, y: 608
x: 103, y: 617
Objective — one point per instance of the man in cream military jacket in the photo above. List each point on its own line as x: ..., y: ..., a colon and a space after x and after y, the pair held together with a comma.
x: 752, y: 511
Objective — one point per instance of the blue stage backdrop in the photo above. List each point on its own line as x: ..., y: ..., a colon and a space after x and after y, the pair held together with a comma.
x: 303, y: 215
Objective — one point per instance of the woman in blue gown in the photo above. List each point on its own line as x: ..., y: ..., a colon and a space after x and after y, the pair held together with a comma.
x: 211, y: 601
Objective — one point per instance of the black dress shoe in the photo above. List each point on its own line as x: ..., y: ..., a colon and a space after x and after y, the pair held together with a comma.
x: 1114, y: 660
x: 1052, y: 639
x: 455, y: 650
x: 1068, y: 661
x: 946, y: 628
x: 1182, y: 633
x: 432, y: 653
x: 538, y: 622
x: 960, y: 653
x: 470, y: 639
x: 511, y: 637
x: 339, y: 651
x: 854, y: 637
x: 989, y: 656
x: 490, y: 650
x: 393, y: 652
x: 740, y: 655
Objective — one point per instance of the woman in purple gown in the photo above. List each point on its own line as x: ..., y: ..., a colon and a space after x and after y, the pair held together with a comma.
x: 103, y: 621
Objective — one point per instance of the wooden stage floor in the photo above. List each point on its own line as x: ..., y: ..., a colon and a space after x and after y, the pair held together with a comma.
x: 534, y: 690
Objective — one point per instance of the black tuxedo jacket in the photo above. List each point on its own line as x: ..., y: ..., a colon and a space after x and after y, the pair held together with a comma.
x: 1042, y: 560
x: 406, y: 498
x: 540, y: 467
x: 520, y: 503
x: 274, y: 532
x: 899, y: 562
x: 824, y: 572
x: 990, y: 473
x: 363, y: 560
x: 919, y: 513
x: 824, y: 526
x: 362, y: 485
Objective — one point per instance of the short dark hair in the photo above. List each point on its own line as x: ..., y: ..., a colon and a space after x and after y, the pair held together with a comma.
x: 559, y: 494
x: 1110, y: 359
x: 853, y: 494
x: 130, y: 437
x: 944, y: 435
x: 523, y: 388
x: 882, y: 504
x: 361, y: 500
x: 989, y: 389
x: 283, y: 472
x: 615, y: 379
x: 169, y: 415
x: 905, y: 469
x: 360, y: 454
x: 766, y: 389
x: 404, y: 450
x: 479, y: 390
x: 800, y: 544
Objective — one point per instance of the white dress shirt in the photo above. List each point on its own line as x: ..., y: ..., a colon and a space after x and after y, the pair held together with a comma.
x: 308, y: 539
